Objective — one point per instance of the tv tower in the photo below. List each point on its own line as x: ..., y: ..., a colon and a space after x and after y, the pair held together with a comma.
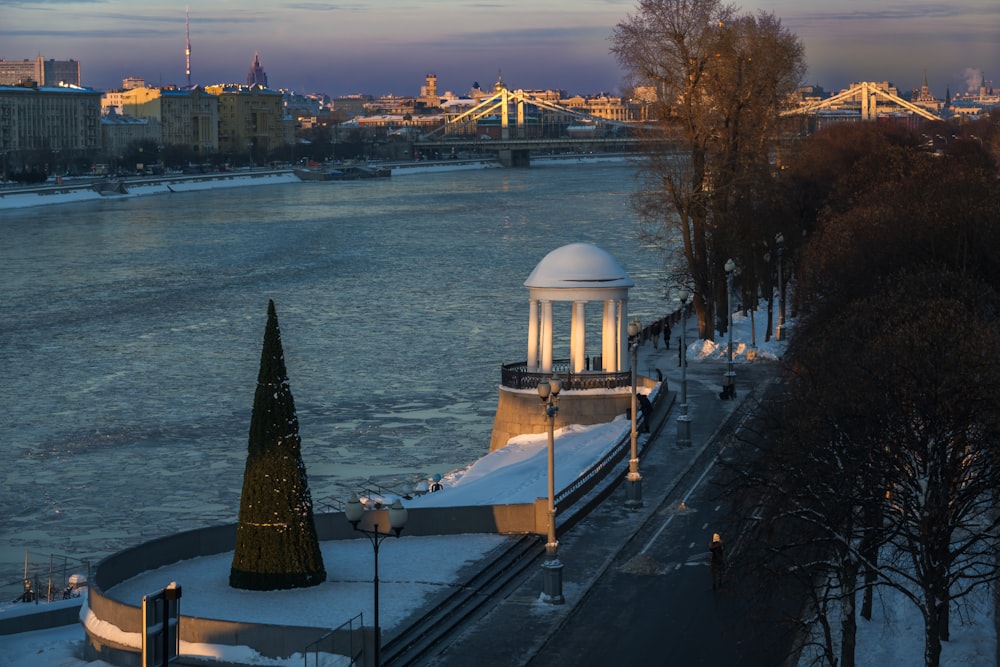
x: 187, y: 48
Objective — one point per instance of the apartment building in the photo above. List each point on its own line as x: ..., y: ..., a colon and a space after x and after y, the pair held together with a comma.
x: 119, y: 133
x: 252, y: 119
x: 42, y: 72
x: 43, y: 125
x: 187, y: 117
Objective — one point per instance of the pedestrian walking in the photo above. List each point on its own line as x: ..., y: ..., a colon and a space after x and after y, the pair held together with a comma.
x: 666, y: 333
x: 718, y: 550
x: 656, y: 334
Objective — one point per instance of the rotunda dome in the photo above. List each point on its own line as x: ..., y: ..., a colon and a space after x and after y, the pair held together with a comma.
x: 578, y: 265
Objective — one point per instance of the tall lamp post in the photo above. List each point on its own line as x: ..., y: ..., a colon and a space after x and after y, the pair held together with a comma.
x: 729, y: 388
x: 397, y: 520
x: 684, y: 420
x: 633, y: 481
x: 778, y: 330
x: 548, y: 392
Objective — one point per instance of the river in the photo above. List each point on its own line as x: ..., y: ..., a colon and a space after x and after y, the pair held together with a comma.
x: 132, y: 330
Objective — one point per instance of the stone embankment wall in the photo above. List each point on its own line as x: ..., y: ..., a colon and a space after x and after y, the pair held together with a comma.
x: 519, y: 411
x: 274, y: 641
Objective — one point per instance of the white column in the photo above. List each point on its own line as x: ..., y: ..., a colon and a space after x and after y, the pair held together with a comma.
x: 546, y: 336
x: 608, y: 349
x: 532, y: 362
x: 624, y: 361
x: 578, y: 336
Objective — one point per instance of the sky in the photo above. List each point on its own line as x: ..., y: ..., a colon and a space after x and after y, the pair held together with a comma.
x: 341, y: 47
x: 421, y: 566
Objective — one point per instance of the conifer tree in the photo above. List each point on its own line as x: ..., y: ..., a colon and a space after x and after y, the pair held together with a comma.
x: 276, y: 542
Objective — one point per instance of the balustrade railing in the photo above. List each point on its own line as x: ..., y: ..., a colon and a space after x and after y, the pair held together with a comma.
x: 519, y: 376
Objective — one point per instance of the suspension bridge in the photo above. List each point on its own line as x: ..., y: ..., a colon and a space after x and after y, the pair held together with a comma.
x: 866, y: 98
x: 513, y: 123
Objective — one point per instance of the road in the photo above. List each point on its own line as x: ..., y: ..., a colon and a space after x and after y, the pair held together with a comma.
x: 655, y: 604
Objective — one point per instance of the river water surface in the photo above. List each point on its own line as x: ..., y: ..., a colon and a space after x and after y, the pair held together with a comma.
x: 132, y: 330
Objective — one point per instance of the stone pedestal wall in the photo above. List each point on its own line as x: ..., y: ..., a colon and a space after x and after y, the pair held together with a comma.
x: 520, y: 411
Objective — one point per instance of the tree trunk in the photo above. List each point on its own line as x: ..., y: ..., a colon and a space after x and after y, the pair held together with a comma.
x: 944, y: 617
x: 869, y: 553
x: 848, y: 621
x: 932, y: 640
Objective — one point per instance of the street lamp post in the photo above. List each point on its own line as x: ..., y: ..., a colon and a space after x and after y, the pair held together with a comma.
x: 397, y: 520
x: 729, y: 388
x: 778, y: 330
x: 684, y: 420
x: 633, y: 481
x: 548, y: 392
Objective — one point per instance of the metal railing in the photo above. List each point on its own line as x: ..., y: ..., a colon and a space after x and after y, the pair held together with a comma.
x: 346, y: 640
x: 519, y: 376
x: 47, y: 578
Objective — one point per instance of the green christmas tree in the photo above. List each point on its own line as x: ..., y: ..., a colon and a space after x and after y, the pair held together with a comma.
x: 276, y: 542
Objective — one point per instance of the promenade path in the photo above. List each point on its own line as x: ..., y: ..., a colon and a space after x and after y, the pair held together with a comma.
x: 515, y: 628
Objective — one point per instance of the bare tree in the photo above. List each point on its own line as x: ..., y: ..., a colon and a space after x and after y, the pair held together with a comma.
x: 718, y: 81
x: 936, y: 355
x: 887, y: 454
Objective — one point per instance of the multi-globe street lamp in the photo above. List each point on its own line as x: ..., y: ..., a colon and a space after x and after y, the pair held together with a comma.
x: 633, y: 481
x: 729, y: 387
x: 548, y: 392
x: 684, y: 420
x: 397, y: 520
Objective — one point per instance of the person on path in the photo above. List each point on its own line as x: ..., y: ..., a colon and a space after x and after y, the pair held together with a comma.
x: 718, y: 550
x: 666, y: 333
x: 656, y: 334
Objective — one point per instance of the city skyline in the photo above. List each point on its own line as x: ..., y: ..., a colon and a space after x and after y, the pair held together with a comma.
x: 353, y: 47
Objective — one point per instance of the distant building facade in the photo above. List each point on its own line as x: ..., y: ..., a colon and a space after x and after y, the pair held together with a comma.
x: 187, y: 117
x: 350, y: 106
x: 601, y: 106
x: 42, y: 72
x: 119, y: 133
x: 251, y: 118
x: 47, y: 124
x: 257, y: 75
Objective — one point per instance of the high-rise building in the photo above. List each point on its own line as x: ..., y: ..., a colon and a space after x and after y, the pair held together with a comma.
x: 42, y: 72
x: 257, y: 75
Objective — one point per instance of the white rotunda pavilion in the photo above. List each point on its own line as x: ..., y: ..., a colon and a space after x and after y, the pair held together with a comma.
x: 595, y: 388
x: 578, y: 273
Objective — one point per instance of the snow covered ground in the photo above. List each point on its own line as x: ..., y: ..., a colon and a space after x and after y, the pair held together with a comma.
x: 412, y: 568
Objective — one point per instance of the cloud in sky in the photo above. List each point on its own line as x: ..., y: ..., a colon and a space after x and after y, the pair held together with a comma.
x: 850, y: 40
x: 355, y: 46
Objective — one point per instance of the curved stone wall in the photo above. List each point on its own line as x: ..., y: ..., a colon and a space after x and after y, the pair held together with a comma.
x: 519, y: 411
x: 111, y: 620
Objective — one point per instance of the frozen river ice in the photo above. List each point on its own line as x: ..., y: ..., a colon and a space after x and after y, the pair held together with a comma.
x: 132, y: 330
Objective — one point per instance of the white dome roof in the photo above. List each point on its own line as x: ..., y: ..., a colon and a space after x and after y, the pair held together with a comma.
x: 578, y: 265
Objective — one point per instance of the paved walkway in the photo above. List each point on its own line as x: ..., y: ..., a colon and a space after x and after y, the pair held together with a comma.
x: 517, y: 626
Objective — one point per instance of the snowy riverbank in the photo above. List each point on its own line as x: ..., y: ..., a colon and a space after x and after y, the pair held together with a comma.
x: 85, y: 189
x: 72, y: 191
